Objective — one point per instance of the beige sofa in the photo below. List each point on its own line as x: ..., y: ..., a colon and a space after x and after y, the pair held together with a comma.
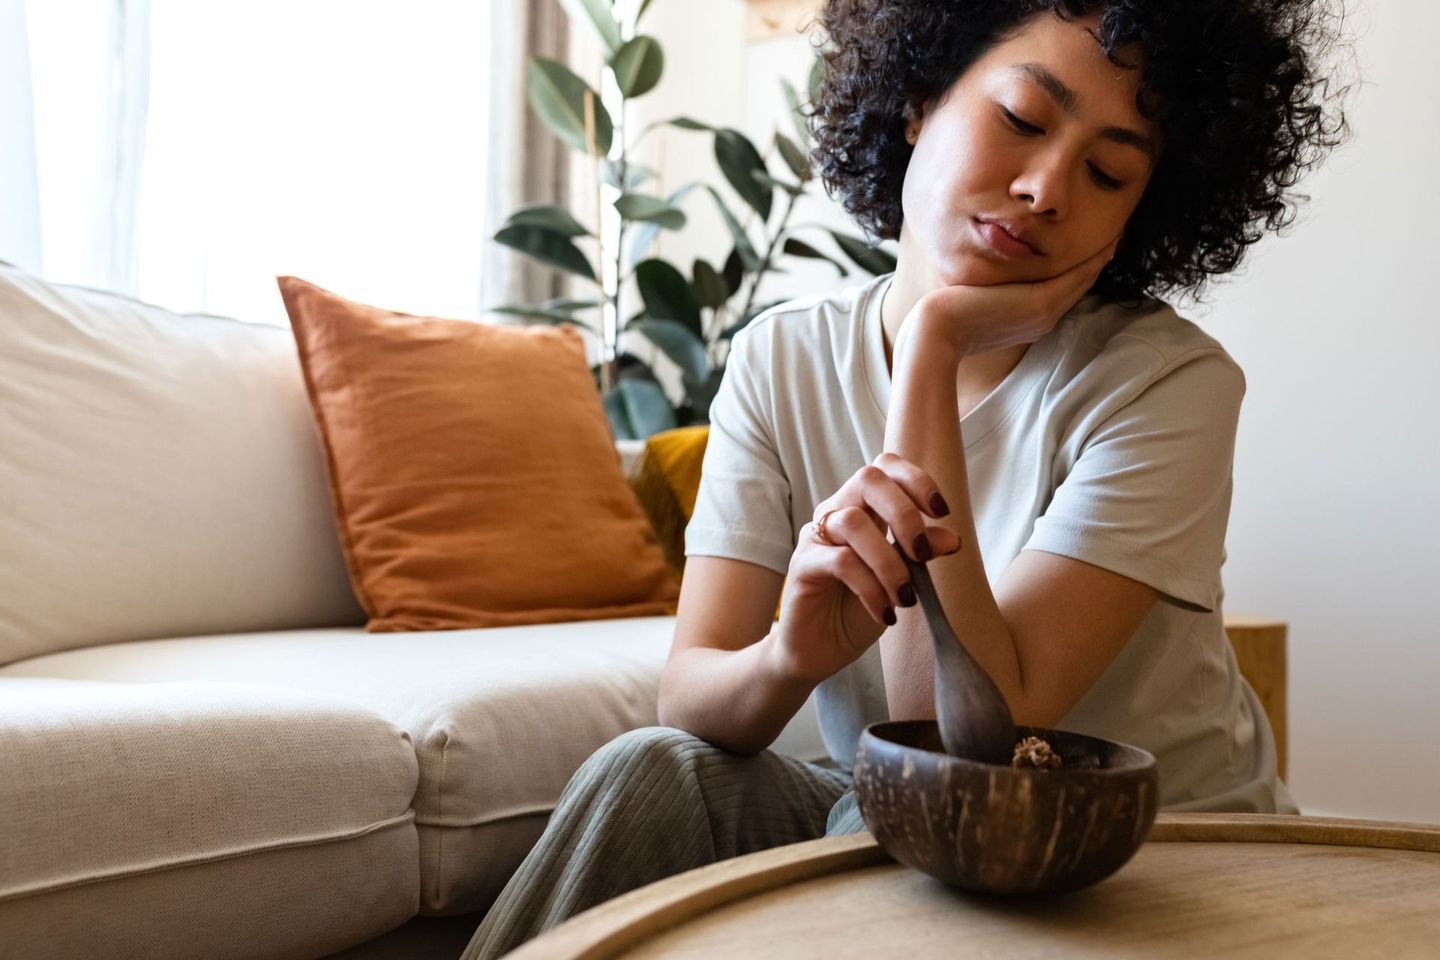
x: 202, y: 752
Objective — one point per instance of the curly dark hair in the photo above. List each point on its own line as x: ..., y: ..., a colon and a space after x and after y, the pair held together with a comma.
x: 1237, y: 87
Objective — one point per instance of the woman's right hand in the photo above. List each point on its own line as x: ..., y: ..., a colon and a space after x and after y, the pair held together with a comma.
x: 840, y: 593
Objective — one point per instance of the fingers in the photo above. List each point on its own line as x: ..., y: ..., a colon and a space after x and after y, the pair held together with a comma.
x: 880, y: 589
x: 1062, y: 291
x: 897, y: 490
x: 892, y: 494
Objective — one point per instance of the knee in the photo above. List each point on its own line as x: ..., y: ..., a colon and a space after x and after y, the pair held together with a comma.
x: 655, y: 744
x: 647, y: 748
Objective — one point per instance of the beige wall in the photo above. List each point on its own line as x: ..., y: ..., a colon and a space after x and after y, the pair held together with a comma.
x: 1337, y: 502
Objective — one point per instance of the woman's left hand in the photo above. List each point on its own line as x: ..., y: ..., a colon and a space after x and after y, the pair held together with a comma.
x: 977, y: 319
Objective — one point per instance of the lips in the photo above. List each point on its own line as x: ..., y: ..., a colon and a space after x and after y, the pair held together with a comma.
x: 1014, y: 231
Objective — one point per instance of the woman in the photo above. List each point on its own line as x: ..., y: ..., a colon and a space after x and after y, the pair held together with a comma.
x: 1012, y: 405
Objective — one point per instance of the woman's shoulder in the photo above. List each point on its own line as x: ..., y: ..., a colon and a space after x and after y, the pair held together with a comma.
x: 1148, y: 326
x: 1110, y: 356
x: 826, y: 318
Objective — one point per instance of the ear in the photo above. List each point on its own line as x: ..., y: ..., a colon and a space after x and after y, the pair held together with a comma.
x: 913, y: 115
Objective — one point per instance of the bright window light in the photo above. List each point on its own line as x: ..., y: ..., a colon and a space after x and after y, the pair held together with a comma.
x: 341, y: 141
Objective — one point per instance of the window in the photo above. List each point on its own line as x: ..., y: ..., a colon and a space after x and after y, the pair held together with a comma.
x: 343, y: 141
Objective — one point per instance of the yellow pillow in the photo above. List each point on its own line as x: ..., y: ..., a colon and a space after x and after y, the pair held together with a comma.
x: 667, y: 480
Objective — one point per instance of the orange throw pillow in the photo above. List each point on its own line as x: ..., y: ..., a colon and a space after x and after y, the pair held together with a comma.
x: 473, y: 473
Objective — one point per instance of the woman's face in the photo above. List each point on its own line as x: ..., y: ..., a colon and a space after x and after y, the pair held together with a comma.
x: 1042, y: 134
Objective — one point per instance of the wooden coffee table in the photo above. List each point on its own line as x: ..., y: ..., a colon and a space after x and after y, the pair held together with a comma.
x: 1203, y: 885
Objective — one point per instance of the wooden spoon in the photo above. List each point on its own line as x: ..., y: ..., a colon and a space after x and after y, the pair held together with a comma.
x: 974, y: 719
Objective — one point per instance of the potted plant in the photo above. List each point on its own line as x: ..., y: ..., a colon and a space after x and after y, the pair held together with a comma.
x: 691, y: 315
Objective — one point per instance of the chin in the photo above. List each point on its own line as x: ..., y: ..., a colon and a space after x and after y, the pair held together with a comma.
x: 971, y: 270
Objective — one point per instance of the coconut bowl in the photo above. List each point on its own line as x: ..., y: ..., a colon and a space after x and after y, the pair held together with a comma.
x: 1014, y: 831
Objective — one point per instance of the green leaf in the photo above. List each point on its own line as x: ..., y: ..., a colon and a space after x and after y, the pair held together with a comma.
x: 765, y: 180
x: 566, y: 305
x: 629, y: 365
x: 667, y: 294
x: 800, y: 248
x: 710, y: 288
x: 793, y: 156
x: 734, y: 328
x: 556, y: 219
x: 638, y: 65
x: 636, y: 175
x: 599, y: 14
x: 646, y: 233
x: 546, y: 246
x: 749, y: 259
x: 865, y: 257
x: 796, y: 114
x: 637, y: 408
x: 686, y: 123
x: 702, y: 397
x: 558, y: 98
x: 539, y: 315
x: 739, y: 160
x: 644, y: 207
x: 733, y: 271
x: 645, y: 5
x: 619, y: 417
x: 817, y: 75
x: 679, y: 344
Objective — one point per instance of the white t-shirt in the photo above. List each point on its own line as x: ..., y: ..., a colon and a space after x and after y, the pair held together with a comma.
x: 1111, y: 442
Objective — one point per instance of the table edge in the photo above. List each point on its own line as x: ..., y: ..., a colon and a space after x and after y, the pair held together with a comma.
x: 1286, y: 828
x: 617, y: 925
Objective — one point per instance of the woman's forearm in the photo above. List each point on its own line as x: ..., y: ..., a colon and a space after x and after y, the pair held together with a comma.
x: 737, y: 699
x: 923, y: 426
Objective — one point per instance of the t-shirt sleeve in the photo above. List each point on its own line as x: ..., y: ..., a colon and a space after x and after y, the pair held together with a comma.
x: 742, y: 509
x: 1149, y: 494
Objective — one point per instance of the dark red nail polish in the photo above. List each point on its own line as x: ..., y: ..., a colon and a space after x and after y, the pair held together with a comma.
x: 889, y: 616
x: 907, y: 595
x: 923, y: 553
x: 938, y: 506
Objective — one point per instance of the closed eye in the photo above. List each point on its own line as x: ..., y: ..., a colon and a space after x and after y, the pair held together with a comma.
x: 1106, y: 181
x: 1029, y: 129
x: 1102, y: 179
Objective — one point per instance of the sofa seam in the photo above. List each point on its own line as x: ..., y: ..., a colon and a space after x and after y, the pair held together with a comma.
x: 440, y: 812
x: 540, y: 809
x: 55, y: 887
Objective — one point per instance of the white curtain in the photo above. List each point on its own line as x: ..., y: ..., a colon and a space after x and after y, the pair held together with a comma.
x: 535, y: 168
x: 19, y: 198
x: 188, y: 151
x: 74, y: 115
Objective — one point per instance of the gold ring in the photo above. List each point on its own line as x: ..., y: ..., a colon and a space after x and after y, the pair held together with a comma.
x: 820, y: 533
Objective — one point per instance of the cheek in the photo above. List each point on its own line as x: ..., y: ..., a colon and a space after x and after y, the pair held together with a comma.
x: 939, y: 188
x: 945, y: 186
x: 1095, y: 232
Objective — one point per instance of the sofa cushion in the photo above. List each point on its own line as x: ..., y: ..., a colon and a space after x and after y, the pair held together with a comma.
x: 474, y: 475
x: 500, y: 718
x: 160, y: 475
x: 199, y: 819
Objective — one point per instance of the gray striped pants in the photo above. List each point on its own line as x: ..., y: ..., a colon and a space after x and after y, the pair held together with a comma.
x: 650, y: 804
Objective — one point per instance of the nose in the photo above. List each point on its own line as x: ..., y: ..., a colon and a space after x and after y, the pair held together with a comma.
x: 1043, y: 185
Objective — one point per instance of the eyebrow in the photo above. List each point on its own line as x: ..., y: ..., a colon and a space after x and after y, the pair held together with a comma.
x: 1065, y: 97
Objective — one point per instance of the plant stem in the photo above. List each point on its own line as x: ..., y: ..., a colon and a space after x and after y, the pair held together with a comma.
x: 594, y: 152
x: 790, y: 199
x: 620, y: 236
